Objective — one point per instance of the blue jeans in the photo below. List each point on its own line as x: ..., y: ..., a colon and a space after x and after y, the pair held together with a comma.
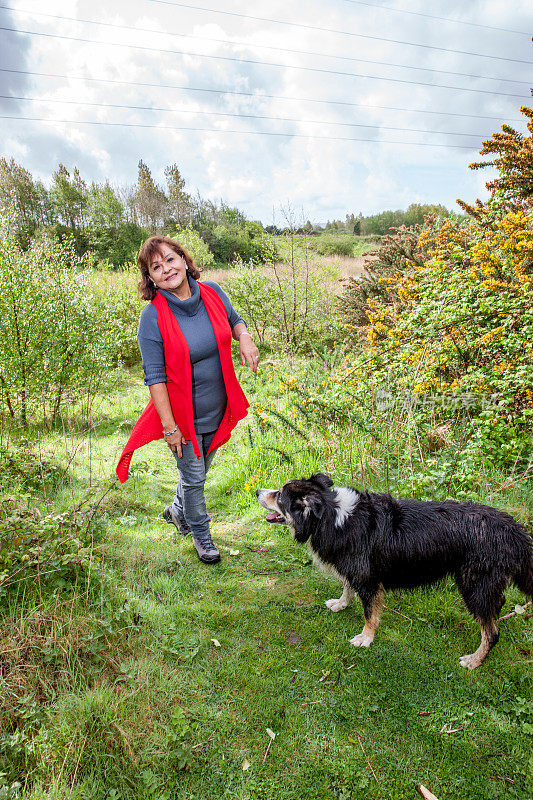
x: 189, y: 503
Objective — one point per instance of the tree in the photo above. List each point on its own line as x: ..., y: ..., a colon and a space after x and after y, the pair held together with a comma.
x: 105, y: 208
x: 149, y: 199
x: 69, y: 198
x: 110, y: 236
x: 28, y: 197
x: 179, y: 201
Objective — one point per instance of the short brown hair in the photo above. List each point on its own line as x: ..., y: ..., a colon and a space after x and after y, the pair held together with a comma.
x: 146, y: 254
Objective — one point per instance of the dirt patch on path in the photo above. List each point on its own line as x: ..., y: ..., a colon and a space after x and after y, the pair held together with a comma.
x: 349, y: 267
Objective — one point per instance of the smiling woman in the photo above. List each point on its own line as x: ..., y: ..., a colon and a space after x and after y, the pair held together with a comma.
x: 185, y: 338
x: 165, y: 264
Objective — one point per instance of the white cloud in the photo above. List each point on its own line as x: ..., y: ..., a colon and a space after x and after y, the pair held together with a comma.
x: 325, y: 178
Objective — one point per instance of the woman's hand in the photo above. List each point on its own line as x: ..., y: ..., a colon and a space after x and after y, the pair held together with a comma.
x: 175, y: 442
x: 161, y: 401
x: 248, y: 351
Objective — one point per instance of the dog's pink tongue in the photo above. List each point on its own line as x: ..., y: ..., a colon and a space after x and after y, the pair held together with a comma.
x: 271, y: 516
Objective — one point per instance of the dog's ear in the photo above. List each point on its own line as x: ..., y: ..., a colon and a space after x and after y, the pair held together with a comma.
x: 322, y: 480
x: 314, y: 505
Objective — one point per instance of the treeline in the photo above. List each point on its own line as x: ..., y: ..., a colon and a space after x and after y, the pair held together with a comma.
x: 375, y: 225
x: 111, y: 222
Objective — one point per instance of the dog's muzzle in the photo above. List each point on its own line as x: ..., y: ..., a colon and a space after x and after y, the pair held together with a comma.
x: 265, y: 498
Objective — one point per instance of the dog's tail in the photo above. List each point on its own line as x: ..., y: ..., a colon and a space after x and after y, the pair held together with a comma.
x: 524, y: 579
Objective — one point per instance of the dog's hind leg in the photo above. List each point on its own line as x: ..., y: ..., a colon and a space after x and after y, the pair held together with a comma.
x: 489, y: 637
x: 484, y: 601
x: 343, y: 601
x: 372, y: 601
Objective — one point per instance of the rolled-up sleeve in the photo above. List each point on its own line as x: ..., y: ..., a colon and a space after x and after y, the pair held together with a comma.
x: 151, y: 347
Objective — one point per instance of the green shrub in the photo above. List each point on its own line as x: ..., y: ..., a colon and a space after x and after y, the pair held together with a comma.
x: 116, y: 291
x: 246, y: 241
x: 290, y: 308
x: 196, y: 246
x: 21, y: 470
x: 57, y: 337
x: 115, y: 245
x: 330, y: 245
x: 39, y: 551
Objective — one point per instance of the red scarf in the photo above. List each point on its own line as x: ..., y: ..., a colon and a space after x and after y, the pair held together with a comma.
x: 179, y: 382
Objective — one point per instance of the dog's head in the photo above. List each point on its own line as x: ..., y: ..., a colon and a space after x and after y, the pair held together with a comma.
x: 300, y: 504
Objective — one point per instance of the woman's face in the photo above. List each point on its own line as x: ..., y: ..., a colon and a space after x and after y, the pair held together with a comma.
x: 168, y: 270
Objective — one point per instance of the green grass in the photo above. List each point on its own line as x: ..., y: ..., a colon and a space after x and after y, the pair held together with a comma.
x: 118, y: 690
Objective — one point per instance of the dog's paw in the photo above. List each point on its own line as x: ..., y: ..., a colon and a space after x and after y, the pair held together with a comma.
x: 470, y: 662
x: 336, y: 605
x: 362, y: 640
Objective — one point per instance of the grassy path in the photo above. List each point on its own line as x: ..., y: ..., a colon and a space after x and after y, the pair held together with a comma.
x: 248, y: 645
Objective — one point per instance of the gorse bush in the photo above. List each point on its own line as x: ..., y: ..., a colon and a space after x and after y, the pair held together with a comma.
x: 460, y: 325
x: 398, y: 252
x: 57, y: 337
x: 449, y: 325
x: 513, y: 159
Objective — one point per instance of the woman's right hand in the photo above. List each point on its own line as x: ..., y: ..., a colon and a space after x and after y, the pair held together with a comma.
x: 175, y: 442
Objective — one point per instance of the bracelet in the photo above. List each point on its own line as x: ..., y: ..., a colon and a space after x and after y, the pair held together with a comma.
x: 243, y: 333
x: 169, y: 433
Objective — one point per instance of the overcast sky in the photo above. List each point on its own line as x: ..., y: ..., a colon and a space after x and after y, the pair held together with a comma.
x: 360, y: 114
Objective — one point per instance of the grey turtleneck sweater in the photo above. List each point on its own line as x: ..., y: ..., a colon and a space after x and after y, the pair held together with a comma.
x: 208, y: 391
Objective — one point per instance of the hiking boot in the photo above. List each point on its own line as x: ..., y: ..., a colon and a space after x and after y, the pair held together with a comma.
x: 206, y: 548
x: 172, y: 518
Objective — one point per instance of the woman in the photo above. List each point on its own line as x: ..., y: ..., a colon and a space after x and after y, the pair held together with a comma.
x: 185, y: 340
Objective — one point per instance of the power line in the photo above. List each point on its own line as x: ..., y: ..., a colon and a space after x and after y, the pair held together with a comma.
x: 262, y: 46
x: 261, y: 63
x: 432, y: 16
x: 251, y: 94
x: 240, y: 116
x: 233, y: 132
x: 334, y: 30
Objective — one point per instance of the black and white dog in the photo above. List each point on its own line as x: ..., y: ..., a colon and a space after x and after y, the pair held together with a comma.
x: 373, y: 542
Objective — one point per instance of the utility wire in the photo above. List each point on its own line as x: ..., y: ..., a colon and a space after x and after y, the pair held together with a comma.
x: 220, y: 130
x: 251, y: 94
x: 160, y: 50
x: 240, y: 116
x: 262, y: 46
x: 432, y: 16
x: 334, y: 30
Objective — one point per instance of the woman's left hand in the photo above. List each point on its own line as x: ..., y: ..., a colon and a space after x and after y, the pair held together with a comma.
x: 248, y: 352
